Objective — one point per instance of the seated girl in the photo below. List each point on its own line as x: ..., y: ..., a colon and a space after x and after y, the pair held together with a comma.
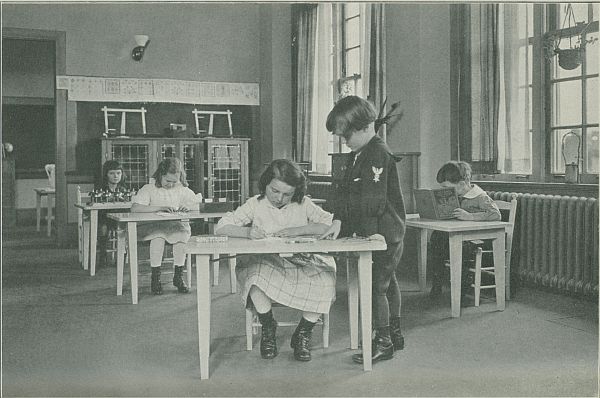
x: 113, y: 180
x: 169, y: 192
x: 305, y: 282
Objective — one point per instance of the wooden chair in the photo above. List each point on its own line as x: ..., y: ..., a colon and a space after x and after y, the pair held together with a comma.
x: 252, y: 325
x: 481, y: 267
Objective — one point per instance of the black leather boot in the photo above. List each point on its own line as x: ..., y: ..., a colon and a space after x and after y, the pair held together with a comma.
x: 268, y: 343
x: 382, y: 347
x: 178, y: 280
x: 301, y: 340
x: 155, y: 284
x: 396, y: 334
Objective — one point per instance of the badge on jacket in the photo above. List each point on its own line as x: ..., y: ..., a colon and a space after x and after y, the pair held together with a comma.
x: 377, y: 172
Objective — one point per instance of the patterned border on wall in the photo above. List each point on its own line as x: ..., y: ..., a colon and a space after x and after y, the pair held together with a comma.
x: 99, y: 89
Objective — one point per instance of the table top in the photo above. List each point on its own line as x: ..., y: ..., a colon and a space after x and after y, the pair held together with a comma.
x: 104, y: 206
x: 162, y: 216
x: 454, y: 225
x: 45, y: 190
x: 281, y: 245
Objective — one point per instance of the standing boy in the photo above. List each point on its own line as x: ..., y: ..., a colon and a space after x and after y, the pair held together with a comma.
x: 369, y: 201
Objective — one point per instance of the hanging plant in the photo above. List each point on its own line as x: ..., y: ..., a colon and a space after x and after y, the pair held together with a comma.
x: 569, y: 58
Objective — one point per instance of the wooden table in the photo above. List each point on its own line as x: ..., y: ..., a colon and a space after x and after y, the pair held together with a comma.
x: 129, y: 233
x: 460, y: 231
x: 359, y: 282
x: 90, y: 230
x: 49, y: 193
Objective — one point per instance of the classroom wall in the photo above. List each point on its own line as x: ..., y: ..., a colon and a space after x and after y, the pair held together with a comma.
x: 418, y: 67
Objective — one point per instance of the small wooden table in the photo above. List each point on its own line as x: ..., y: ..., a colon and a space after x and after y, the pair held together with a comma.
x: 130, y: 234
x: 49, y: 193
x: 90, y: 230
x: 460, y: 231
x: 359, y: 282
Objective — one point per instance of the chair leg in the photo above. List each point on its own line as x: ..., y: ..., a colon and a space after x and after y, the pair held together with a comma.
x: 232, y: 278
x: 249, y: 331
x: 478, y: 255
x: 325, y: 330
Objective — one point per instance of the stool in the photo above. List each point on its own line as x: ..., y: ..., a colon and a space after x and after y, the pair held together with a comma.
x: 49, y: 193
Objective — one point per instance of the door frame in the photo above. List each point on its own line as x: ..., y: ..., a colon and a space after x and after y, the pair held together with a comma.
x: 60, y: 107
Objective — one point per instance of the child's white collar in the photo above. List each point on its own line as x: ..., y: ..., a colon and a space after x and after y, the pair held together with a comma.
x: 474, y: 192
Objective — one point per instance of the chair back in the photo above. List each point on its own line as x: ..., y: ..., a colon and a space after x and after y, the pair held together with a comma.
x: 511, y: 207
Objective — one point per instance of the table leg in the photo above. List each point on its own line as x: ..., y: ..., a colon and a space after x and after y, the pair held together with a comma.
x: 133, y: 261
x: 93, y: 240
x: 203, y: 297
x: 86, y: 243
x: 121, y: 237
x: 365, y: 291
x: 499, y: 270
x: 38, y: 210
x: 455, y: 272
x: 232, y: 277
x: 352, y: 280
x: 49, y: 215
x: 216, y: 264
x: 422, y: 247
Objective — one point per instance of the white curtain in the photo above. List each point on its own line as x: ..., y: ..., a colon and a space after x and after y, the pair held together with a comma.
x: 514, y: 137
x: 322, y: 101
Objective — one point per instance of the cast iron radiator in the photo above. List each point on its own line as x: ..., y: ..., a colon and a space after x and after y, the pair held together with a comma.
x: 555, y: 244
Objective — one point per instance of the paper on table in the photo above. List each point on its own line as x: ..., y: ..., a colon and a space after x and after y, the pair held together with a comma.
x: 169, y: 213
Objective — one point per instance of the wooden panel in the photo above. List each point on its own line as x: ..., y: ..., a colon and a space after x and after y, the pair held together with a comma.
x: 9, y: 213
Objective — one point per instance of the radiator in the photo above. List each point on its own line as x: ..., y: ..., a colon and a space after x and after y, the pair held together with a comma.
x: 555, y: 243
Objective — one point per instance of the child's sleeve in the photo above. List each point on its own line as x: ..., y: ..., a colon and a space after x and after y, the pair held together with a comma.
x: 317, y: 215
x: 241, y: 217
x: 488, y: 210
x: 189, y: 199
x: 143, y: 196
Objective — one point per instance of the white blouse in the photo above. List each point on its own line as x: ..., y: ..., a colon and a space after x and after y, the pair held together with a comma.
x: 151, y: 195
x: 263, y: 214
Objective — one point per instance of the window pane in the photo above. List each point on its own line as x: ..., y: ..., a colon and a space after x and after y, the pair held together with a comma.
x: 569, y: 149
x: 351, y: 9
x: 592, y: 100
x: 591, y: 56
x: 352, y: 33
x: 566, y: 103
x: 580, y: 10
x: 592, y: 147
x: 353, y: 62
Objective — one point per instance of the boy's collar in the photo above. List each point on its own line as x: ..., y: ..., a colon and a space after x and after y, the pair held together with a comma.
x: 474, y: 192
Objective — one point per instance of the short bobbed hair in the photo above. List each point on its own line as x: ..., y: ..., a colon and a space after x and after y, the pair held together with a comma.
x: 350, y: 114
x: 112, y: 165
x: 172, y: 166
x: 454, y: 172
x: 285, y: 171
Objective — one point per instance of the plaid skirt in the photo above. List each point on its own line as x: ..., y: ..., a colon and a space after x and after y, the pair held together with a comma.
x: 304, y: 281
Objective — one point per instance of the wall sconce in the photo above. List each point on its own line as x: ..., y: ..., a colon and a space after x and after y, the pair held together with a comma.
x: 142, y: 42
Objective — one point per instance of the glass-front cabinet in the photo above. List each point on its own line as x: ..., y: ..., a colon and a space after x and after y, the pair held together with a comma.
x: 215, y: 167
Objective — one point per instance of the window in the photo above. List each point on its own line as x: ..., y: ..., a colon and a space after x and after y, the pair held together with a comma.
x: 543, y: 104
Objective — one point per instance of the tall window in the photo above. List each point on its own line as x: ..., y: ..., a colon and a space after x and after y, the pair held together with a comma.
x: 546, y: 108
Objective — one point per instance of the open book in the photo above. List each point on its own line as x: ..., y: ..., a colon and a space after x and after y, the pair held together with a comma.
x: 437, y: 204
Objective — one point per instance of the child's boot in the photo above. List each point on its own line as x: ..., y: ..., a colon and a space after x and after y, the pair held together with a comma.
x: 396, y: 333
x: 268, y: 343
x: 301, y: 340
x: 382, y: 347
x: 178, y: 280
x: 155, y: 284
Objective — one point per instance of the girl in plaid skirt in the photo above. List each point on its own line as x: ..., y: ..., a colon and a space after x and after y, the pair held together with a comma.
x: 304, y: 281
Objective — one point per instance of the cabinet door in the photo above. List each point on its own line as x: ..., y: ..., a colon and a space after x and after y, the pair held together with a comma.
x: 227, y: 170
x: 135, y: 159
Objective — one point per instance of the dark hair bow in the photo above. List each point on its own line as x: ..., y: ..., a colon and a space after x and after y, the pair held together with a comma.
x: 381, y: 120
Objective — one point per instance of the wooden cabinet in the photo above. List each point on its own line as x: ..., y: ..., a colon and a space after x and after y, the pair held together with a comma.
x: 216, y: 167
